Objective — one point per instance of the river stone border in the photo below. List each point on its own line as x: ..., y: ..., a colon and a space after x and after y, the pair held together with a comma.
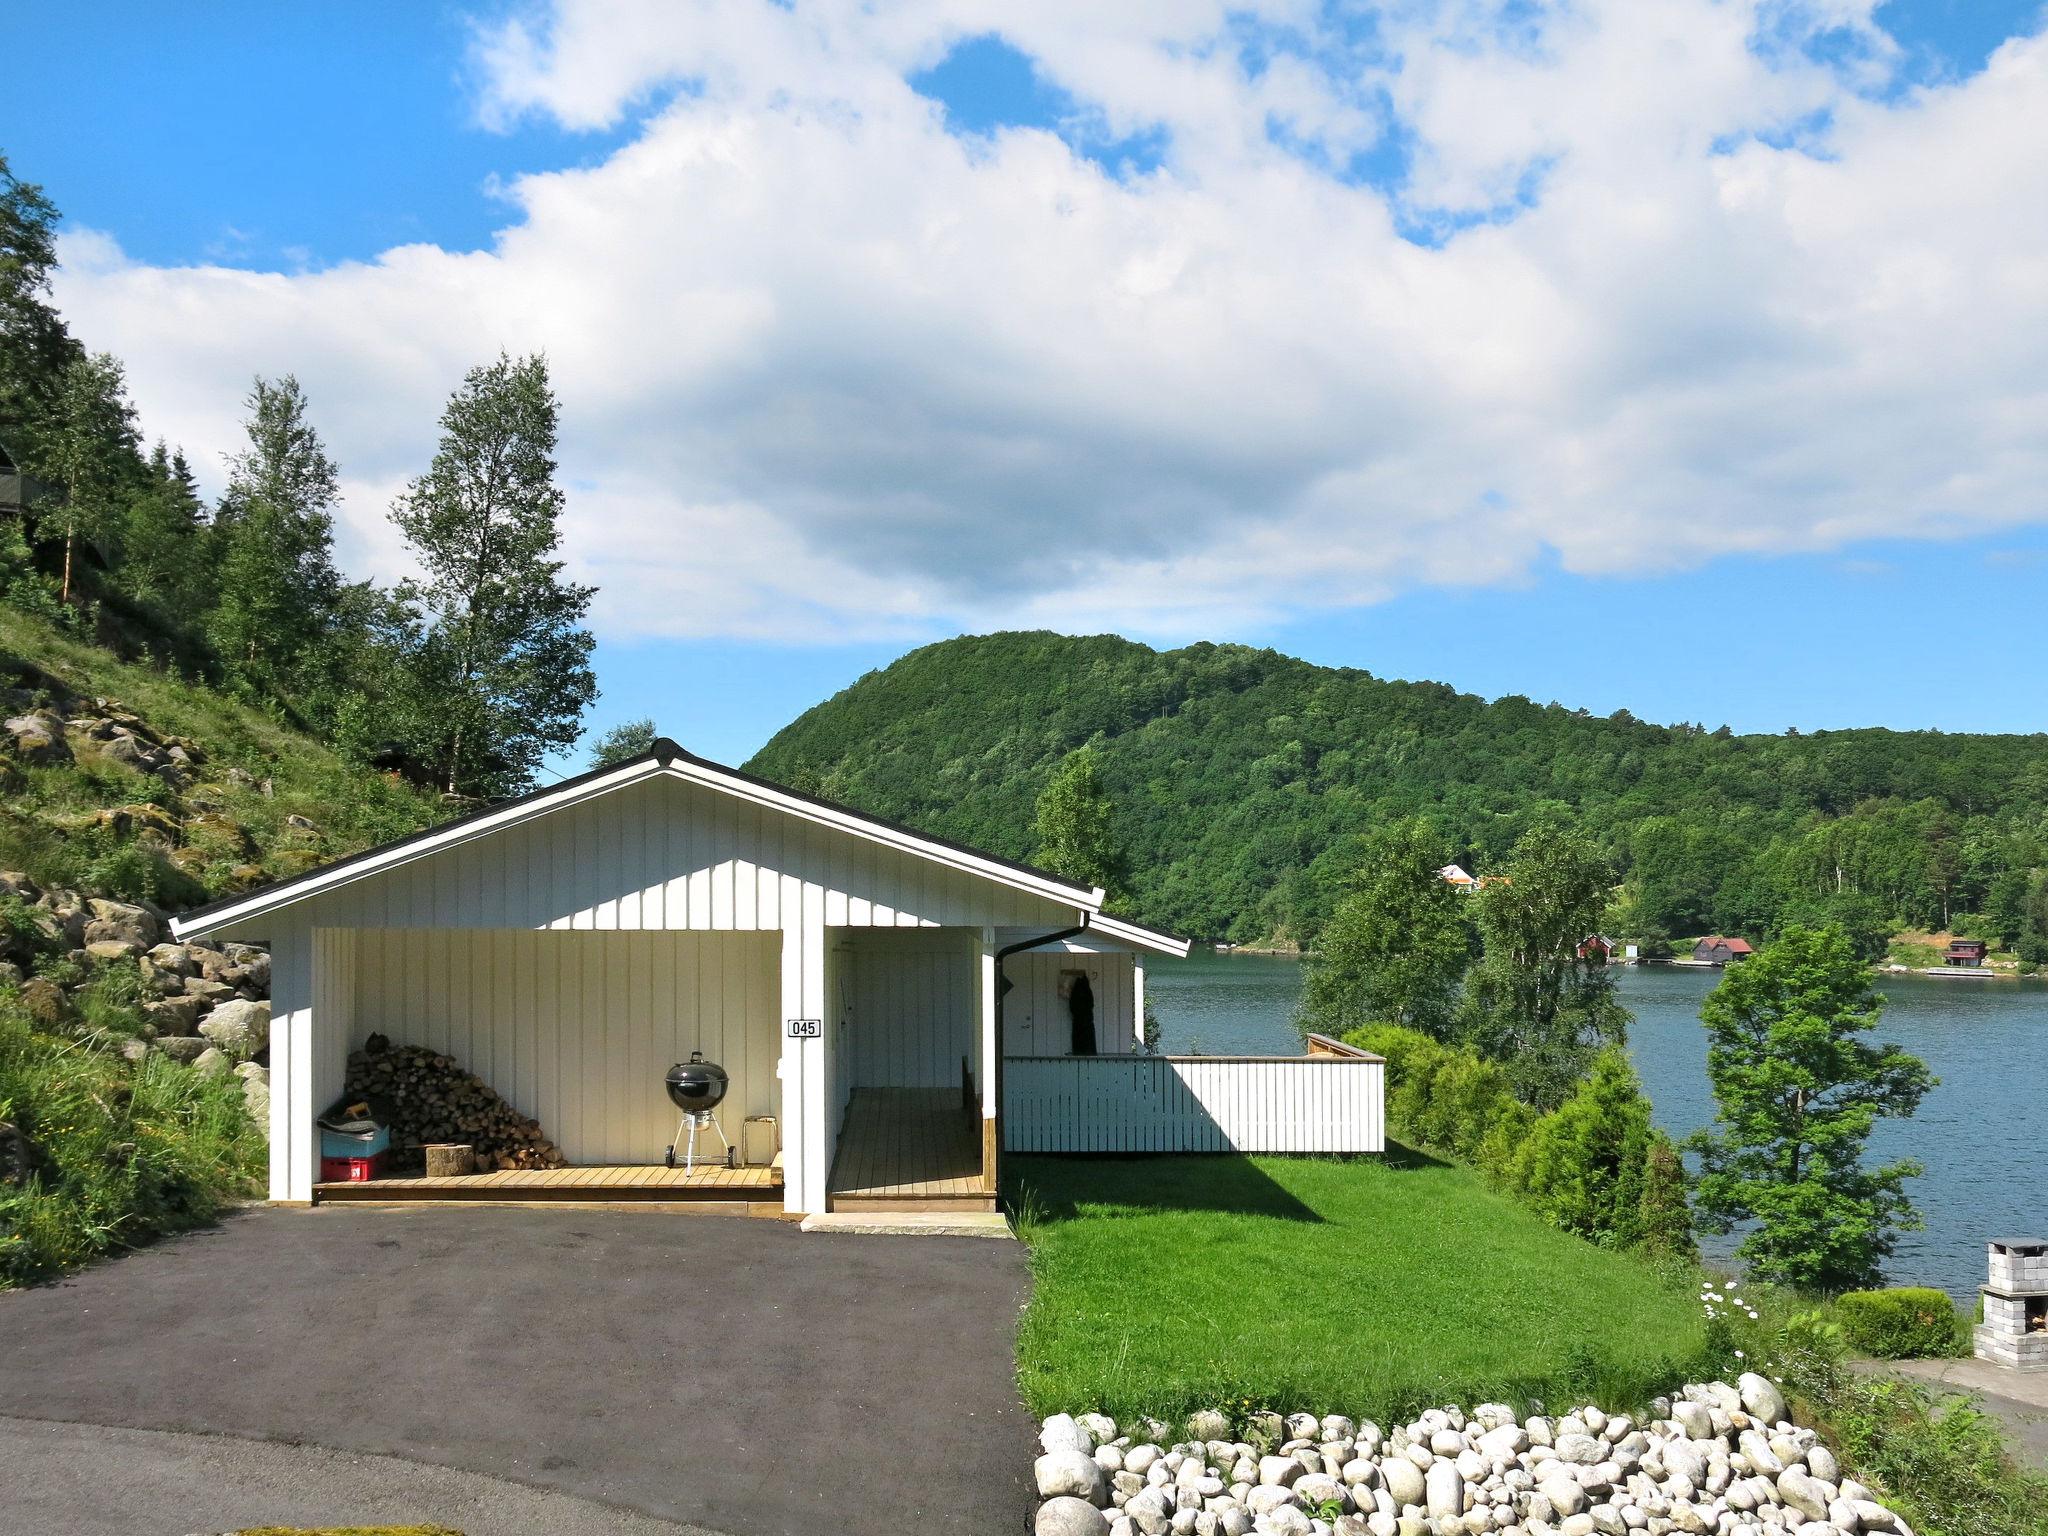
x: 1718, y: 1459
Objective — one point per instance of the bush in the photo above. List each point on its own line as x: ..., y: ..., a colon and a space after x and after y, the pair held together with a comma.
x: 1903, y: 1323
x: 119, y: 1152
x: 1594, y: 1166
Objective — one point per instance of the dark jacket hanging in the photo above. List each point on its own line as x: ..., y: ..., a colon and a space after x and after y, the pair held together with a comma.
x: 1081, y: 1009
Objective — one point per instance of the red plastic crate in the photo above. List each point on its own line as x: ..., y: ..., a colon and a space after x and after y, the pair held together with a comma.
x: 351, y: 1170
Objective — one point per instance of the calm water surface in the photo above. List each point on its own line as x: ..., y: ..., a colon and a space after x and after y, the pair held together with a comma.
x: 1981, y: 1134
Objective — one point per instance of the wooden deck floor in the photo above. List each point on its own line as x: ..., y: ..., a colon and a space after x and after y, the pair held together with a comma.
x: 907, y: 1149
x: 618, y: 1182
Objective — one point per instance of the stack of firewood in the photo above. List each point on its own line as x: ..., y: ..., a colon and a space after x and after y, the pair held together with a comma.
x: 424, y: 1096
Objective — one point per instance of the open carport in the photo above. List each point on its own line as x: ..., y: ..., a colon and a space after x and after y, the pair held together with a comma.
x: 735, y: 1374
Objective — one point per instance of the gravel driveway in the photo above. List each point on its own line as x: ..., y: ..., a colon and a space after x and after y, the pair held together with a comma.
x: 734, y: 1373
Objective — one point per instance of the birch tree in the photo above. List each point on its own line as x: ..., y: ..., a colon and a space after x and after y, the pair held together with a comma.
x: 506, y: 658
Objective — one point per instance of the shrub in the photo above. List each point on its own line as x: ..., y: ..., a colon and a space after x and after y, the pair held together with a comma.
x: 119, y: 1152
x: 1594, y: 1166
x: 1903, y: 1323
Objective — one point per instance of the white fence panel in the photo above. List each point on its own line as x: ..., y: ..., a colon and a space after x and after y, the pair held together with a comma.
x: 1193, y: 1104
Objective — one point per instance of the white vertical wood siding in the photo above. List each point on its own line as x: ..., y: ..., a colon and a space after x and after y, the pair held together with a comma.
x: 913, y: 1008
x: 577, y: 1029
x: 666, y: 854
x: 1193, y: 1104
x: 1035, y: 1017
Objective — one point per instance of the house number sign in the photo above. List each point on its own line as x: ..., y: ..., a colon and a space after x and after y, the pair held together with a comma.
x: 806, y: 1029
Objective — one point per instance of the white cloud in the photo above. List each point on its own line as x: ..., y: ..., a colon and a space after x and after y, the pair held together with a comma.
x: 828, y: 370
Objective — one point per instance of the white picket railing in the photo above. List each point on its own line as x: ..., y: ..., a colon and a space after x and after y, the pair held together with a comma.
x: 1194, y: 1104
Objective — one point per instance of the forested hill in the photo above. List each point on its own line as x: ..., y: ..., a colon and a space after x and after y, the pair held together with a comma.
x: 1242, y: 778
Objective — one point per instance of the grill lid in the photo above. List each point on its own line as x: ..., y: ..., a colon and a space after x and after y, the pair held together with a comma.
x: 696, y: 1083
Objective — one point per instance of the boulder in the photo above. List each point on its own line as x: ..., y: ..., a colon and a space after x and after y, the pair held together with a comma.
x: 1760, y: 1398
x: 1207, y: 1424
x: 1694, y: 1419
x: 36, y: 740
x: 256, y: 1095
x: 185, y: 1048
x: 170, y: 960
x: 208, y: 991
x: 1065, y: 1516
x: 173, y: 1015
x: 1151, y: 1511
x: 211, y: 1063
x: 1820, y: 1461
x: 108, y: 950
x: 14, y: 883
x: 122, y: 920
x: 1061, y: 1432
x: 1443, y: 1490
x: 1279, y: 1471
x: 1803, y: 1493
x: 1070, y: 1473
x: 44, y: 1001
x: 242, y: 1028
x: 1404, y: 1481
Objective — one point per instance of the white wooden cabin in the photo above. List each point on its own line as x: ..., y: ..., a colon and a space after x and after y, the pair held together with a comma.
x: 569, y: 946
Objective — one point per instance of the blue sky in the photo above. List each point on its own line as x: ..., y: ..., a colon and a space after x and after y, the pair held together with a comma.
x: 291, y: 139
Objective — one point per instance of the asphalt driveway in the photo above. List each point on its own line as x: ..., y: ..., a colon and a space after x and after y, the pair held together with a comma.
x: 732, y: 1373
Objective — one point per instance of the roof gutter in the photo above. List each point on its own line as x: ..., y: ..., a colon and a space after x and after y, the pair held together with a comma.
x: 1003, y: 986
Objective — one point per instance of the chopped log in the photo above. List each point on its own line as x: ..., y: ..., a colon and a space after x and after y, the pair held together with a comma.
x: 450, y: 1160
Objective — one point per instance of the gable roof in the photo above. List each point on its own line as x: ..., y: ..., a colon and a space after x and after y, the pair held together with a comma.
x: 666, y: 759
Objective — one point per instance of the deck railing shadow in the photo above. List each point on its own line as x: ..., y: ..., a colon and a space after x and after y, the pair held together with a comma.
x: 1057, y: 1187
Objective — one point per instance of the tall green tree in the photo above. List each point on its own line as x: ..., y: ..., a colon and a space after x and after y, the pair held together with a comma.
x: 163, y: 536
x: 1076, y: 824
x: 1797, y: 1089
x: 622, y: 743
x: 1397, y: 946
x: 88, y: 449
x: 1532, y: 1003
x: 275, y: 538
x: 35, y: 346
x: 506, y: 655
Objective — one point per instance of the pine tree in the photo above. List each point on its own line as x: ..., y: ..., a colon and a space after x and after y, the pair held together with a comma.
x: 163, y: 536
x: 1797, y: 1092
x: 275, y: 536
x: 1076, y: 824
x: 35, y: 346
x: 622, y: 743
x: 506, y: 658
x: 88, y: 450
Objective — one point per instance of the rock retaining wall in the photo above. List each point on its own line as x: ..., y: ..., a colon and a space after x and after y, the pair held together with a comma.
x: 206, y: 1005
x: 1718, y: 1458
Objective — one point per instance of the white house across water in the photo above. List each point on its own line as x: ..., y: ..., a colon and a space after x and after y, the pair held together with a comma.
x: 850, y: 975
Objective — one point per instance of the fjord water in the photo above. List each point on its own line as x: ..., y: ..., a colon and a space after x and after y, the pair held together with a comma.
x: 1982, y: 1134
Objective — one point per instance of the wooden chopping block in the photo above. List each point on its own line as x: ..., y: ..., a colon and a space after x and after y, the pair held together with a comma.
x: 449, y: 1160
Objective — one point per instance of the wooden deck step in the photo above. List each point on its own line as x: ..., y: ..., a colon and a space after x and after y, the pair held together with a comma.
x: 612, y: 1183
x: 912, y: 1223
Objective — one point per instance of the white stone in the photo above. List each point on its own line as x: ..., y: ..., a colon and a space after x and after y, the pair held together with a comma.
x: 1444, y: 1490
x: 1404, y: 1482
x: 1759, y: 1397
x: 1070, y: 1517
x: 1070, y: 1473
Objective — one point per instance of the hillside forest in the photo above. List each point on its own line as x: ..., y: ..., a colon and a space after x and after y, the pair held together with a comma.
x: 1245, y: 783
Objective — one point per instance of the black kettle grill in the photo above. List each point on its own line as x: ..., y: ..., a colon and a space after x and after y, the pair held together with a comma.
x: 696, y: 1087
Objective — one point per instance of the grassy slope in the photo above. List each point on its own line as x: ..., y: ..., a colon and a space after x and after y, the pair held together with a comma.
x: 123, y: 1150
x: 1368, y: 1287
x: 350, y: 807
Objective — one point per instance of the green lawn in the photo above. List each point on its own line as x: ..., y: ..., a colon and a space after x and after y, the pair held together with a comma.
x: 1367, y: 1287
